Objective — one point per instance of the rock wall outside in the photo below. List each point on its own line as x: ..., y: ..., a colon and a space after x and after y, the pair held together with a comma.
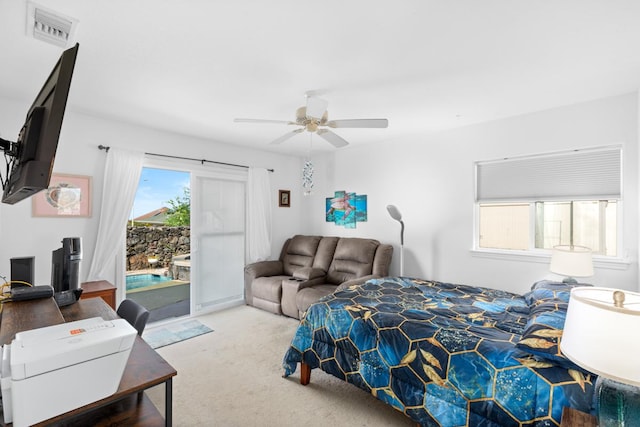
x: 159, y: 242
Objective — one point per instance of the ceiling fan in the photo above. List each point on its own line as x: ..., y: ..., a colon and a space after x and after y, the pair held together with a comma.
x: 314, y: 118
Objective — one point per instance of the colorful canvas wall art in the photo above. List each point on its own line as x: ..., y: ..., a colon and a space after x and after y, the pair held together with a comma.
x: 346, y: 209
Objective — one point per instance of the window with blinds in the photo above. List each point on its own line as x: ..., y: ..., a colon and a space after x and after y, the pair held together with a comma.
x: 537, y: 202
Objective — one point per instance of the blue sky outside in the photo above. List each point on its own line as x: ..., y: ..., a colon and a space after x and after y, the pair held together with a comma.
x: 156, y: 188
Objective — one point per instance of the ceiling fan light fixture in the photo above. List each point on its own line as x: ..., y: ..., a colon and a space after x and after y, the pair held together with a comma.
x: 312, y: 126
x: 314, y: 118
x: 316, y: 107
x: 301, y: 114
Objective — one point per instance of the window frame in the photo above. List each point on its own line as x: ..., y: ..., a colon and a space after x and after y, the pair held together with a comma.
x: 532, y: 254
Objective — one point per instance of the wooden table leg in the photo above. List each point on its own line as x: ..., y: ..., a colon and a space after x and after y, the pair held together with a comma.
x: 305, y: 373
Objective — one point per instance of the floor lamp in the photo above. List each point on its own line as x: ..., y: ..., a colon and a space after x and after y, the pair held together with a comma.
x: 395, y: 214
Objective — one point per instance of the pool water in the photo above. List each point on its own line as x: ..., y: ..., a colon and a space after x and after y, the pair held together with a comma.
x: 135, y: 281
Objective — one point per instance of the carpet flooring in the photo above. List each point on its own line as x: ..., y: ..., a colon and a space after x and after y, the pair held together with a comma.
x: 233, y: 377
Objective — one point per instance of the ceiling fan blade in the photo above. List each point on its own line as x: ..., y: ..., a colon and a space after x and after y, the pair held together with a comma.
x: 286, y: 136
x: 358, y: 123
x: 316, y: 107
x: 332, y: 138
x: 285, y: 122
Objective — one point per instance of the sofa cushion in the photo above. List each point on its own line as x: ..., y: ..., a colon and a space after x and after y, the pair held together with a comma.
x: 268, y: 288
x: 267, y: 305
x: 353, y: 258
x: 309, y: 273
x: 325, y: 253
x: 300, y: 252
x: 259, y: 269
x: 382, y: 261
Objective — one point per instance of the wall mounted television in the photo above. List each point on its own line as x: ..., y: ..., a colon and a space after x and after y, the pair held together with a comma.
x: 30, y: 159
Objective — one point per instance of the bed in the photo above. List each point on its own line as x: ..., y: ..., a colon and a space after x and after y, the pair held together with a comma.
x: 447, y: 354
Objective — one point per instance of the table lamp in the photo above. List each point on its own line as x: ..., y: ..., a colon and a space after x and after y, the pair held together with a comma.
x: 600, y: 335
x: 571, y: 261
x: 395, y: 214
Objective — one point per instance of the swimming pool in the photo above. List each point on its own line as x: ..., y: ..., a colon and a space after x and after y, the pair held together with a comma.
x: 135, y: 281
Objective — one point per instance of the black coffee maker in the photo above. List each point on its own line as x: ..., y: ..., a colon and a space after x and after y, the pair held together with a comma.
x: 65, y: 271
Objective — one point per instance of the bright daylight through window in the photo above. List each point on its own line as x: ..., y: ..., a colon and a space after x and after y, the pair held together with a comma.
x: 538, y: 202
x: 585, y: 223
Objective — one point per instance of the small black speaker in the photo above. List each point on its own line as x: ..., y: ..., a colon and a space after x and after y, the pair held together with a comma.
x: 22, y: 271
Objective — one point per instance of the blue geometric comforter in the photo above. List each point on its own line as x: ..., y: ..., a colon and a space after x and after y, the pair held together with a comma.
x: 447, y: 355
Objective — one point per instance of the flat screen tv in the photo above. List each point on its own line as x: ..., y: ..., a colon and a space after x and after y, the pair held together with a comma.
x: 30, y: 159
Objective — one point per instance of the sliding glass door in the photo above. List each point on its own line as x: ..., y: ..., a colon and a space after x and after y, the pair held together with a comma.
x: 218, y: 236
x: 158, y: 247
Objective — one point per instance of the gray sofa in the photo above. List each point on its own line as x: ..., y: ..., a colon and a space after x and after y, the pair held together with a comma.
x: 310, y: 267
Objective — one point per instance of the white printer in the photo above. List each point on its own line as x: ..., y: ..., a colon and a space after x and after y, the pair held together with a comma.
x: 53, y: 370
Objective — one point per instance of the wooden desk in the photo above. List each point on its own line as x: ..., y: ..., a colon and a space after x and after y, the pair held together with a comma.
x: 87, y: 308
x: 99, y: 288
x: 26, y: 315
x: 145, y: 368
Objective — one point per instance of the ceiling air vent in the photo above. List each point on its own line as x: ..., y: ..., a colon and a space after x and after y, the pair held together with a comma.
x: 49, y: 26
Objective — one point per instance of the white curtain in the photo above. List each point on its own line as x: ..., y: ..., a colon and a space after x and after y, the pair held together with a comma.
x: 121, y: 176
x: 258, y: 215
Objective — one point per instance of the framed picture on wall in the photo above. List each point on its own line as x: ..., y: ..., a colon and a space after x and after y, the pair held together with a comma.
x: 67, y: 196
x: 284, y: 198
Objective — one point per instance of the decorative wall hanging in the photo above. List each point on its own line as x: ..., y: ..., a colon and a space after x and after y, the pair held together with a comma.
x: 67, y: 196
x: 346, y: 209
x: 307, y: 171
x: 284, y: 198
x: 307, y: 177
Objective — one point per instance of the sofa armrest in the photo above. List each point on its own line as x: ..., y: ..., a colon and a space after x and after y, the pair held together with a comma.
x: 263, y: 268
x: 309, y: 273
x: 259, y: 269
x: 290, y: 289
x: 355, y: 282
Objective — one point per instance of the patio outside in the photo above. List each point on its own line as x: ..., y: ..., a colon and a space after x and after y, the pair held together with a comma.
x: 158, y: 245
x: 156, y: 289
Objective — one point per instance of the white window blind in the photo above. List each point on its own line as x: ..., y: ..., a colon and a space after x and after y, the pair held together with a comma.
x: 590, y: 174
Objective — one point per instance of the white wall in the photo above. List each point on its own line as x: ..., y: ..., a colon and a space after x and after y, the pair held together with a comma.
x: 23, y: 235
x: 430, y: 179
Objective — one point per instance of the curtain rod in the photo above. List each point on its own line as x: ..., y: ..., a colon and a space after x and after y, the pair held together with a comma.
x: 202, y: 161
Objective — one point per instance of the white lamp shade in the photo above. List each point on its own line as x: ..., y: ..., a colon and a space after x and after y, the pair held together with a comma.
x: 601, y: 337
x: 572, y: 261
